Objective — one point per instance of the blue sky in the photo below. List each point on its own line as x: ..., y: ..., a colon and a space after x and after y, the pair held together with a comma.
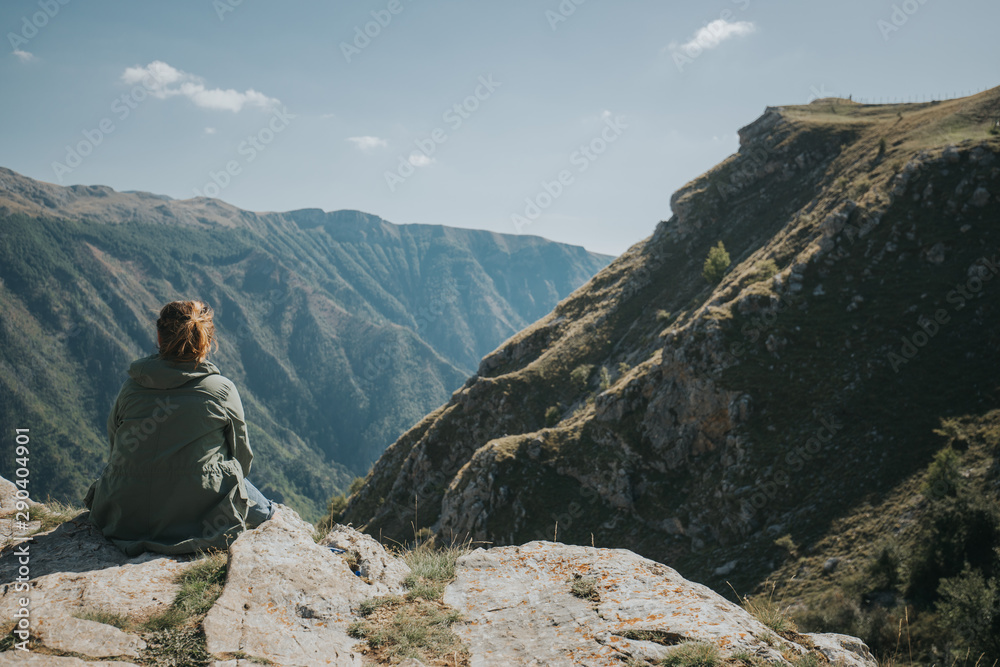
x: 570, y: 119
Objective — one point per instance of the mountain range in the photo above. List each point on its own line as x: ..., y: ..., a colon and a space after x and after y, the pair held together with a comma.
x: 339, y: 328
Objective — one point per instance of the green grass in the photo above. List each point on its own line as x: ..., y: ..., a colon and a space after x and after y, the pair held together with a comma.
x: 412, y: 631
x: 53, y: 513
x: 120, y: 621
x: 693, y: 654
x: 431, y: 569
x: 417, y: 625
x: 174, y: 636
x: 768, y: 612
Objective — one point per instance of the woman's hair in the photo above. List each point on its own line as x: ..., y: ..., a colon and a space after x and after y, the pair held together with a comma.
x: 186, y: 330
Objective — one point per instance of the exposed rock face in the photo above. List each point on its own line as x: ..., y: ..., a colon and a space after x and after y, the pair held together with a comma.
x: 288, y: 600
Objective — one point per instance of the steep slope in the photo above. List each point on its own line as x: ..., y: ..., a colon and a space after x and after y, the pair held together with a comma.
x: 340, y: 329
x: 697, y: 424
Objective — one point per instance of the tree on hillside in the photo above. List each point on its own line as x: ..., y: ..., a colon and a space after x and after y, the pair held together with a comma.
x: 716, y: 264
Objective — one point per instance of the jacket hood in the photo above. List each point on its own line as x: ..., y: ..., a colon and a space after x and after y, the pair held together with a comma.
x: 154, y: 372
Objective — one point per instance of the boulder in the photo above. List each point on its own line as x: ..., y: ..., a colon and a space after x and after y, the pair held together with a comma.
x: 374, y: 563
x: 287, y: 599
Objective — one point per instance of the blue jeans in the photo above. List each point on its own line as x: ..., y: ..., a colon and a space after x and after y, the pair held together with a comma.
x: 262, y: 510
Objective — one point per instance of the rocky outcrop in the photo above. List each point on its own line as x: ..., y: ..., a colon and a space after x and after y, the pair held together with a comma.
x: 288, y: 601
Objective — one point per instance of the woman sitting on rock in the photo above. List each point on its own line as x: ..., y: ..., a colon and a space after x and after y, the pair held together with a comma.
x: 175, y: 479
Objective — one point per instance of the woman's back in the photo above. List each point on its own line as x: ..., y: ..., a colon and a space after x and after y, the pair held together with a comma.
x: 179, y: 454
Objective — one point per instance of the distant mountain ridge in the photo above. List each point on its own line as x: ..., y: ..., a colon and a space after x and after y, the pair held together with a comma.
x: 340, y: 329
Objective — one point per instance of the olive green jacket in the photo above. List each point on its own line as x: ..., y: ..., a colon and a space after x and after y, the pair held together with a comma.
x: 179, y: 454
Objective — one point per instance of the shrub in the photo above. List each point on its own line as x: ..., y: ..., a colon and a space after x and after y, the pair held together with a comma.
x: 581, y: 375
x: 552, y: 415
x: 716, y: 264
x: 860, y: 187
x: 605, y: 378
x: 883, y: 570
x: 943, y: 476
x: 955, y: 531
x: 881, y: 146
x: 662, y: 316
x: 970, y: 607
x: 623, y: 368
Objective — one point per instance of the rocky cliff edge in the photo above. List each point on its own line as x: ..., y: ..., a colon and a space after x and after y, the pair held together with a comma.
x: 290, y: 600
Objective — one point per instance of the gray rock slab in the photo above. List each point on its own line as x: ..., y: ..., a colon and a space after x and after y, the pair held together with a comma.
x: 520, y: 610
x: 90, y: 638
x: 139, y: 588
x: 286, y: 599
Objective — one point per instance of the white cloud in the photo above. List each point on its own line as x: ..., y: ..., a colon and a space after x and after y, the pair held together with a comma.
x: 713, y: 34
x: 24, y: 56
x: 420, y: 160
x: 368, y: 143
x: 163, y: 81
x: 209, y: 130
